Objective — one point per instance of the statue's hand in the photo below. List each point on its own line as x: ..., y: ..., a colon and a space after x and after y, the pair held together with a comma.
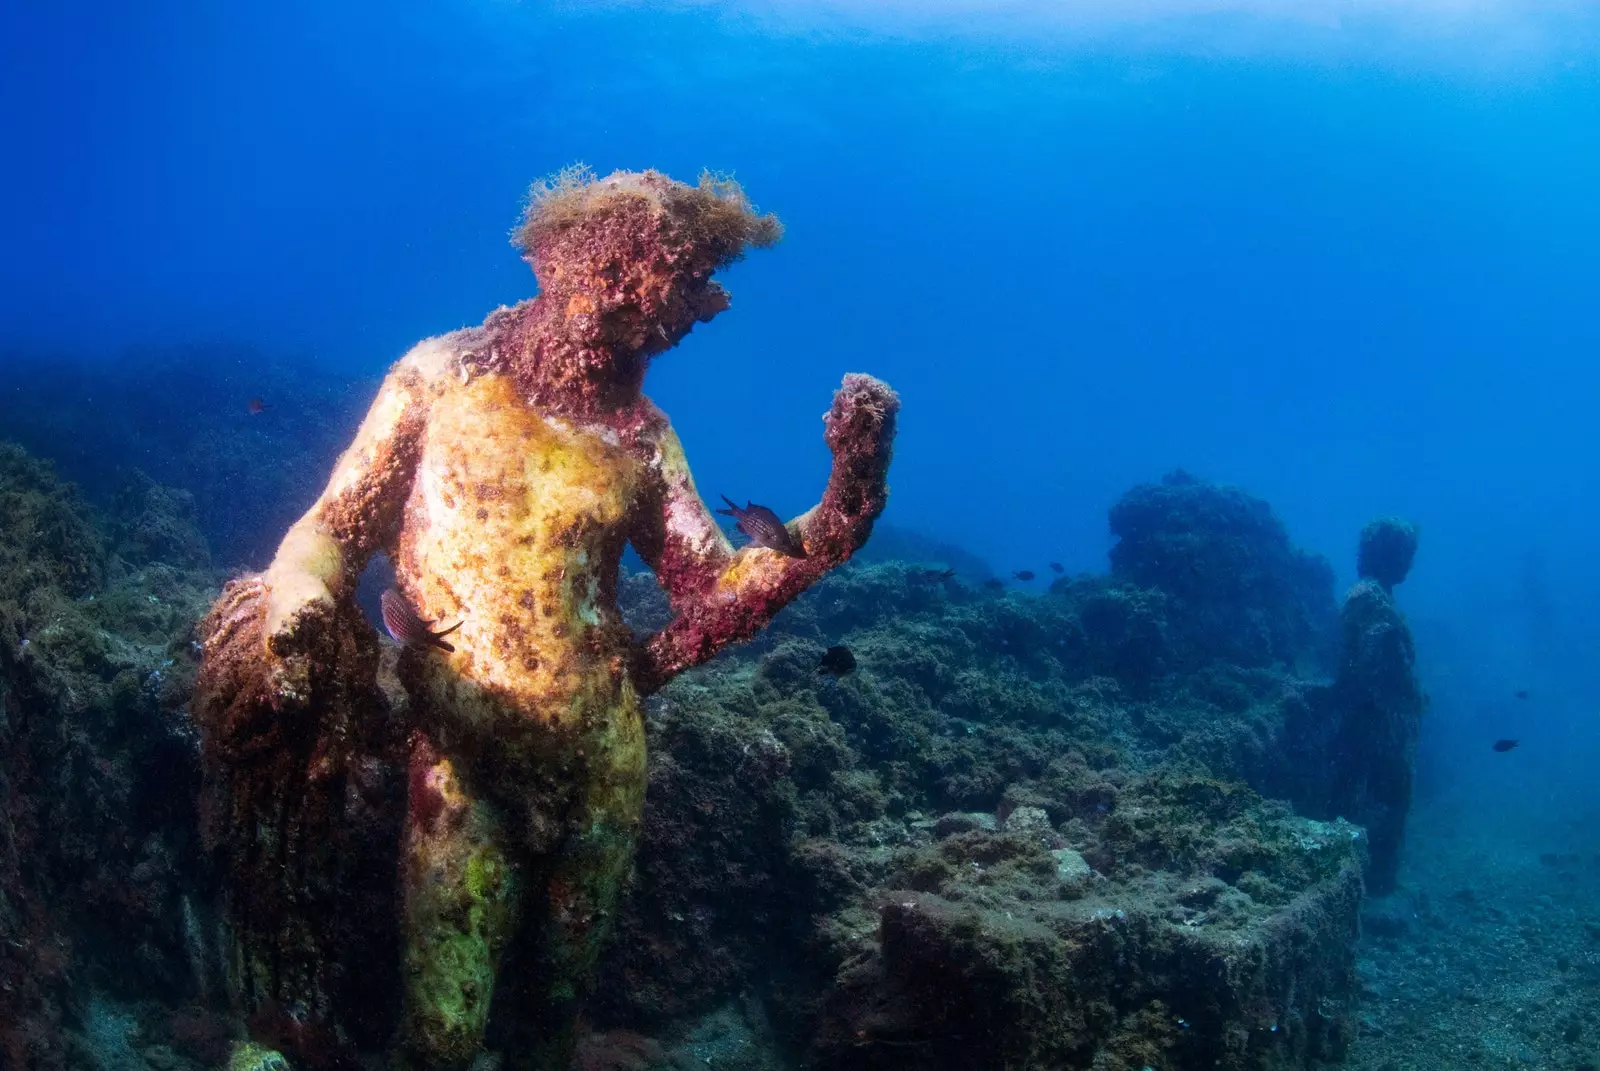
x: 860, y: 432
x: 746, y: 593
x: 299, y: 617
x: 257, y: 669
x: 860, y: 426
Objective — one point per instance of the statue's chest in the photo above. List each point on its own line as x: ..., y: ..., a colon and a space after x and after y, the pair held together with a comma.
x: 492, y: 464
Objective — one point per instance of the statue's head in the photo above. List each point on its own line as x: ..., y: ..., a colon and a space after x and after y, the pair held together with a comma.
x: 627, y: 260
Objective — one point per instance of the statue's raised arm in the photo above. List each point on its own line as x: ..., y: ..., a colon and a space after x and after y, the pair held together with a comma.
x: 722, y: 596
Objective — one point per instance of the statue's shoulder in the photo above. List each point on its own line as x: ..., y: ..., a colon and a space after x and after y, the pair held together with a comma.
x: 652, y: 438
x: 444, y: 361
x: 648, y: 425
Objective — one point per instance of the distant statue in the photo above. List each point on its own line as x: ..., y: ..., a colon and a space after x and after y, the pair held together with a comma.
x: 1388, y: 547
x: 502, y: 468
x: 1355, y: 743
x: 1379, y: 700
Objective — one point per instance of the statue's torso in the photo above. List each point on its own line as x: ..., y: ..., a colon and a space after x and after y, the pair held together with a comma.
x: 515, y: 527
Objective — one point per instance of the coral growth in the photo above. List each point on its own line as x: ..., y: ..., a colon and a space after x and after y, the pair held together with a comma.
x: 462, y: 909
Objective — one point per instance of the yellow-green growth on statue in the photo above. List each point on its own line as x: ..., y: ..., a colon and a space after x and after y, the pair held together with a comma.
x: 460, y: 909
x: 248, y: 1056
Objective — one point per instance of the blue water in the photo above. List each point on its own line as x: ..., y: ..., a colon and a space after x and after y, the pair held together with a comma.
x: 1342, y: 255
x: 1345, y: 262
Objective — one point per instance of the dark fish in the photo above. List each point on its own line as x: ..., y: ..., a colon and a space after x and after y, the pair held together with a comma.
x: 837, y: 661
x: 1055, y: 567
x: 409, y: 630
x: 994, y: 583
x: 1023, y: 574
x: 1504, y: 745
x: 935, y: 576
x: 257, y: 406
x: 1521, y: 693
x: 763, y: 528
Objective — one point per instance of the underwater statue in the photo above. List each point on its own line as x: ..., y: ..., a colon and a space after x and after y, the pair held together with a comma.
x: 503, y: 469
x: 1380, y: 700
x: 1351, y: 745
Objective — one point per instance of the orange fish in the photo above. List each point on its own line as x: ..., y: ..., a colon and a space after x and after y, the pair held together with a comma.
x: 257, y: 406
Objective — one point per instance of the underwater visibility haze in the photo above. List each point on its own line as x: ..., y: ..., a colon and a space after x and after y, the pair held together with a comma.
x: 1010, y: 535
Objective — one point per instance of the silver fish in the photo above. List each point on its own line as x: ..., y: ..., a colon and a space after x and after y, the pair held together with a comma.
x: 764, y: 528
x: 409, y: 630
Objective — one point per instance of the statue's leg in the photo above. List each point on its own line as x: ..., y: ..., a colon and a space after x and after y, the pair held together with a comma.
x: 582, y: 881
x: 460, y: 907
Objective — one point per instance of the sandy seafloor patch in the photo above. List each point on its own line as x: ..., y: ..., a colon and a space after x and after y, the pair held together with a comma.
x: 1489, y: 955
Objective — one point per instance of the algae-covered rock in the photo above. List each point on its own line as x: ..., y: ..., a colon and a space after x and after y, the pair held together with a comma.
x: 97, y: 763
x: 1021, y: 834
x: 1215, y: 930
x: 1240, y: 591
x: 1126, y: 977
x: 46, y: 538
x: 180, y: 414
x: 715, y: 873
x: 156, y: 524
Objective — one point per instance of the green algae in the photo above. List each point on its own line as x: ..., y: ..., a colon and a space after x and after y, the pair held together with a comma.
x: 457, y: 921
x: 249, y: 1056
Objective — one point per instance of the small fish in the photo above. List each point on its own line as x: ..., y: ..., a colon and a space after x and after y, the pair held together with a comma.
x: 763, y: 527
x: 1055, y: 567
x: 837, y: 661
x: 994, y: 583
x: 257, y: 406
x: 1023, y: 574
x: 1505, y: 745
x: 934, y: 576
x: 409, y: 630
x: 1521, y: 693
